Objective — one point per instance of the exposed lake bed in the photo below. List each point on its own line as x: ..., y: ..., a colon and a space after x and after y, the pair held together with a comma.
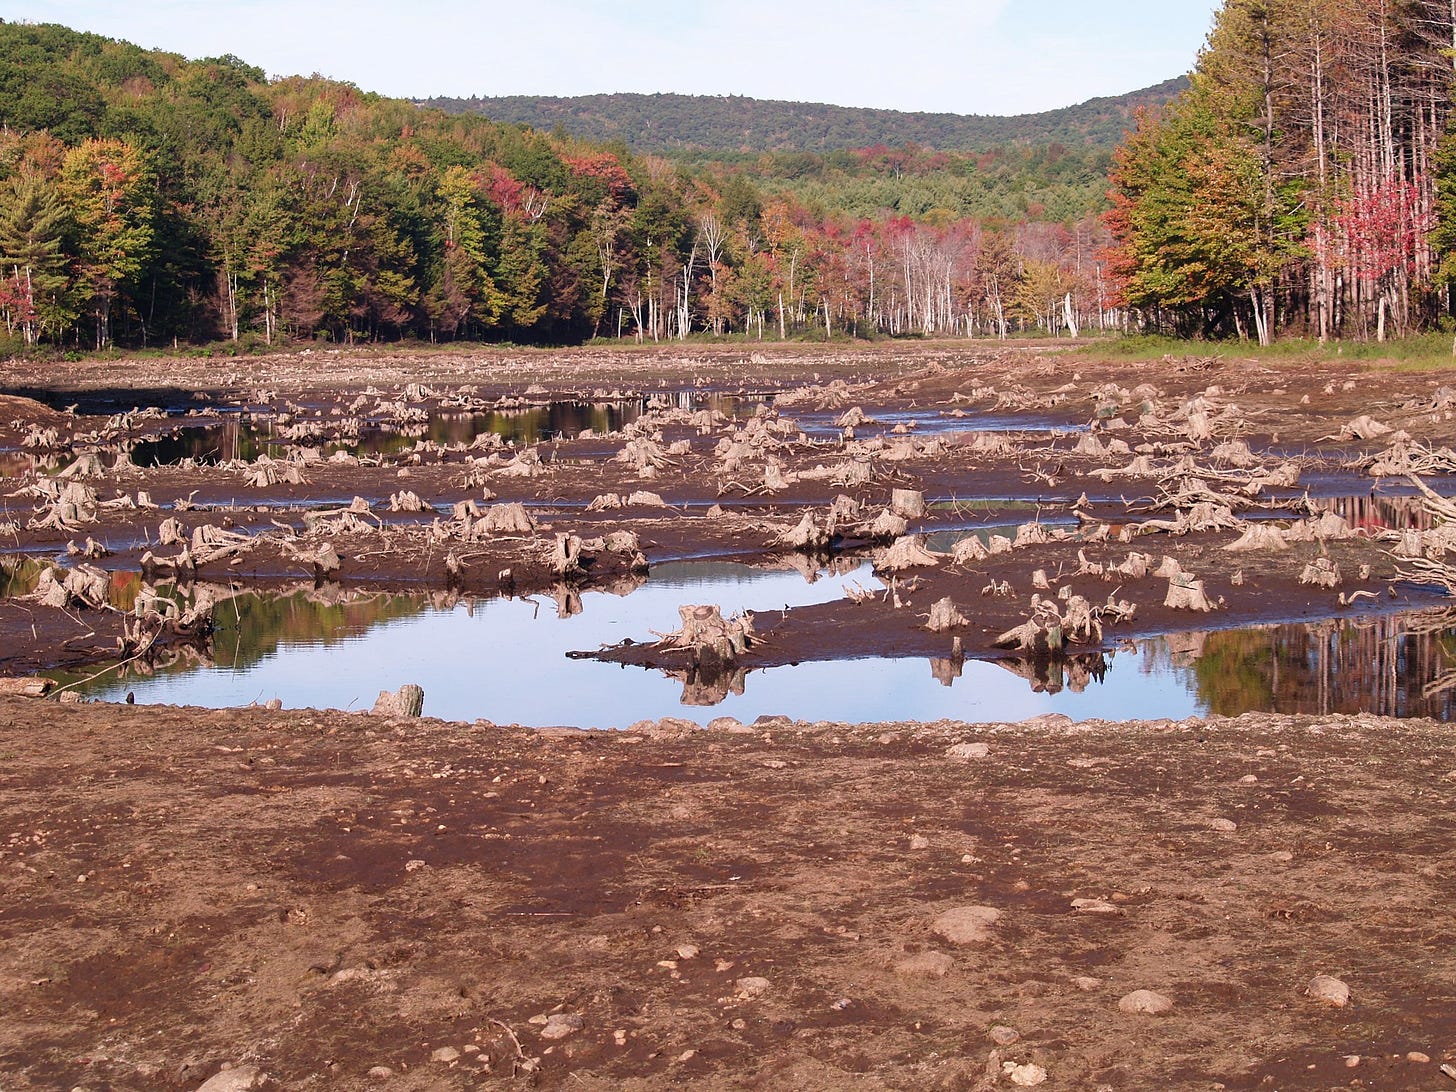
x: 1216, y: 805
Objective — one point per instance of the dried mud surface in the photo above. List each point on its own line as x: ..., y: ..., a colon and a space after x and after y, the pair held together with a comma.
x: 308, y: 896
x: 317, y: 899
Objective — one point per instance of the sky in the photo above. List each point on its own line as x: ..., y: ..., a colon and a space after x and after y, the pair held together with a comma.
x: 950, y: 56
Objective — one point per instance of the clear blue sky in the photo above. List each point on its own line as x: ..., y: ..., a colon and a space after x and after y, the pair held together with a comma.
x: 958, y: 56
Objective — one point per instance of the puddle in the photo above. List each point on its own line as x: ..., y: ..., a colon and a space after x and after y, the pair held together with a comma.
x: 506, y: 661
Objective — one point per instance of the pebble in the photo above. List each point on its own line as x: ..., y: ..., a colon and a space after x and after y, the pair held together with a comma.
x: 969, y: 750
x: 1224, y: 826
x: 1001, y: 1035
x: 919, y: 841
x: 1145, y: 1002
x: 1419, y: 1057
x: 1026, y: 1076
x: 1094, y: 906
x: 233, y: 1079
x: 561, y: 1024
x: 1282, y: 855
x: 687, y: 951
x: 1086, y: 983
x: 925, y: 965
x: 967, y: 924
x: 1352, y: 1061
x: 751, y: 989
x: 380, y: 1073
x: 446, y: 1054
x: 1328, y: 990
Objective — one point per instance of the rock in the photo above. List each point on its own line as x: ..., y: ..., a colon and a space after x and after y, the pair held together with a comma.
x: 407, y: 701
x: 561, y: 1024
x: 1026, y: 1076
x: 925, y: 965
x: 1001, y: 1035
x: 1094, y: 906
x: 1420, y: 1057
x: 446, y: 1054
x: 967, y: 924
x: 380, y: 1073
x: 235, y: 1079
x: 751, y: 989
x: 1086, y: 983
x: 1328, y: 990
x: 969, y: 750
x: 1146, y: 1003
x: 1225, y: 826
x: 688, y: 951
x: 919, y: 841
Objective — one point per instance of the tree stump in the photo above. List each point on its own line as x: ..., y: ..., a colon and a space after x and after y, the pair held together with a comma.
x: 407, y: 701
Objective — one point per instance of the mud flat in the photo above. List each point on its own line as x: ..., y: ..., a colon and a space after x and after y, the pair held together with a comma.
x: 312, y: 897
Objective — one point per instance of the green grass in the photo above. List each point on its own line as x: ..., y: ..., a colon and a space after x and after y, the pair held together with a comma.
x: 1417, y: 352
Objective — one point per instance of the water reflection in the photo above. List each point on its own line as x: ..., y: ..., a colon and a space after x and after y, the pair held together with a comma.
x: 506, y: 660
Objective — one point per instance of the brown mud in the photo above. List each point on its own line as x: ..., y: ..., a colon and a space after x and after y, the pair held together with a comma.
x: 313, y: 898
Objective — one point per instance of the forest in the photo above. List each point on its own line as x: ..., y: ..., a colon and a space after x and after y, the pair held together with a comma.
x: 1305, y: 184
x: 714, y: 126
x: 1302, y: 182
x: 151, y: 200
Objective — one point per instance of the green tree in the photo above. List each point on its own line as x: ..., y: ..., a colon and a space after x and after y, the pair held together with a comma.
x: 110, y: 192
x: 35, y: 291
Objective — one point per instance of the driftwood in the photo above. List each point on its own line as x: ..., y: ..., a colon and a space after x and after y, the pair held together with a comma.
x: 713, y: 642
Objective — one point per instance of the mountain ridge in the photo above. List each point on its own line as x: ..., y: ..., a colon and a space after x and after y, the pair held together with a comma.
x: 666, y: 122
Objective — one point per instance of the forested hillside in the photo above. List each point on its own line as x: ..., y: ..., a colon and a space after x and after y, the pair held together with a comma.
x: 147, y: 199
x: 665, y: 124
x: 1305, y: 183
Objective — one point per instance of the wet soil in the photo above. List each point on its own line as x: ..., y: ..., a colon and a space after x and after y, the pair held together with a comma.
x: 309, y: 897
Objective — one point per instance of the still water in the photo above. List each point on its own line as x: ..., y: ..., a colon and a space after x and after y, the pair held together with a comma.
x: 506, y: 661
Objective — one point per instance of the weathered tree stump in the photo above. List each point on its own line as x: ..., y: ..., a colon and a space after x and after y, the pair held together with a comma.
x: 407, y: 701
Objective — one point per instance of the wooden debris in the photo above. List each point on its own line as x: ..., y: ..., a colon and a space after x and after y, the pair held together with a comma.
x: 806, y: 536
x: 1321, y: 572
x: 907, y: 552
x: 908, y: 503
x: 508, y: 519
x: 944, y: 616
x: 1186, y: 592
x: 407, y: 701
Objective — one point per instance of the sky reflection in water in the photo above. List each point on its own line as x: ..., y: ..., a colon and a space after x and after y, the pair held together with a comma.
x: 505, y: 661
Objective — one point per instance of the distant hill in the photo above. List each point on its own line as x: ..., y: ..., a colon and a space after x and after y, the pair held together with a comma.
x: 724, y: 125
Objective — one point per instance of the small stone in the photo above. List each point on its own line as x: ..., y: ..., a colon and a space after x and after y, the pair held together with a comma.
x: 1223, y: 826
x: 1248, y: 779
x: 233, y: 1079
x: 380, y: 1073
x: 561, y: 1024
x: 1419, y: 1057
x: 1026, y: 1076
x: 919, y: 841
x: 1001, y: 1035
x: 1094, y: 906
x: 1086, y: 983
x: 969, y: 750
x: 1283, y: 856
x: 751, y: 989
x: 967, y: 924
x: 1145, y: 1003
x: 687, y: 951
x: 446, y: 1054
x: 925, y: 965
x: 1352, y: 1061
x: 1328, y: 990
x: 687, y: 1055
x: 620, y: 1037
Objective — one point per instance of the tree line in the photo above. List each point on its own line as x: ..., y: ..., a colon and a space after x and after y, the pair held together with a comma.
x: 146, y: 200
x: 1306, y: 181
